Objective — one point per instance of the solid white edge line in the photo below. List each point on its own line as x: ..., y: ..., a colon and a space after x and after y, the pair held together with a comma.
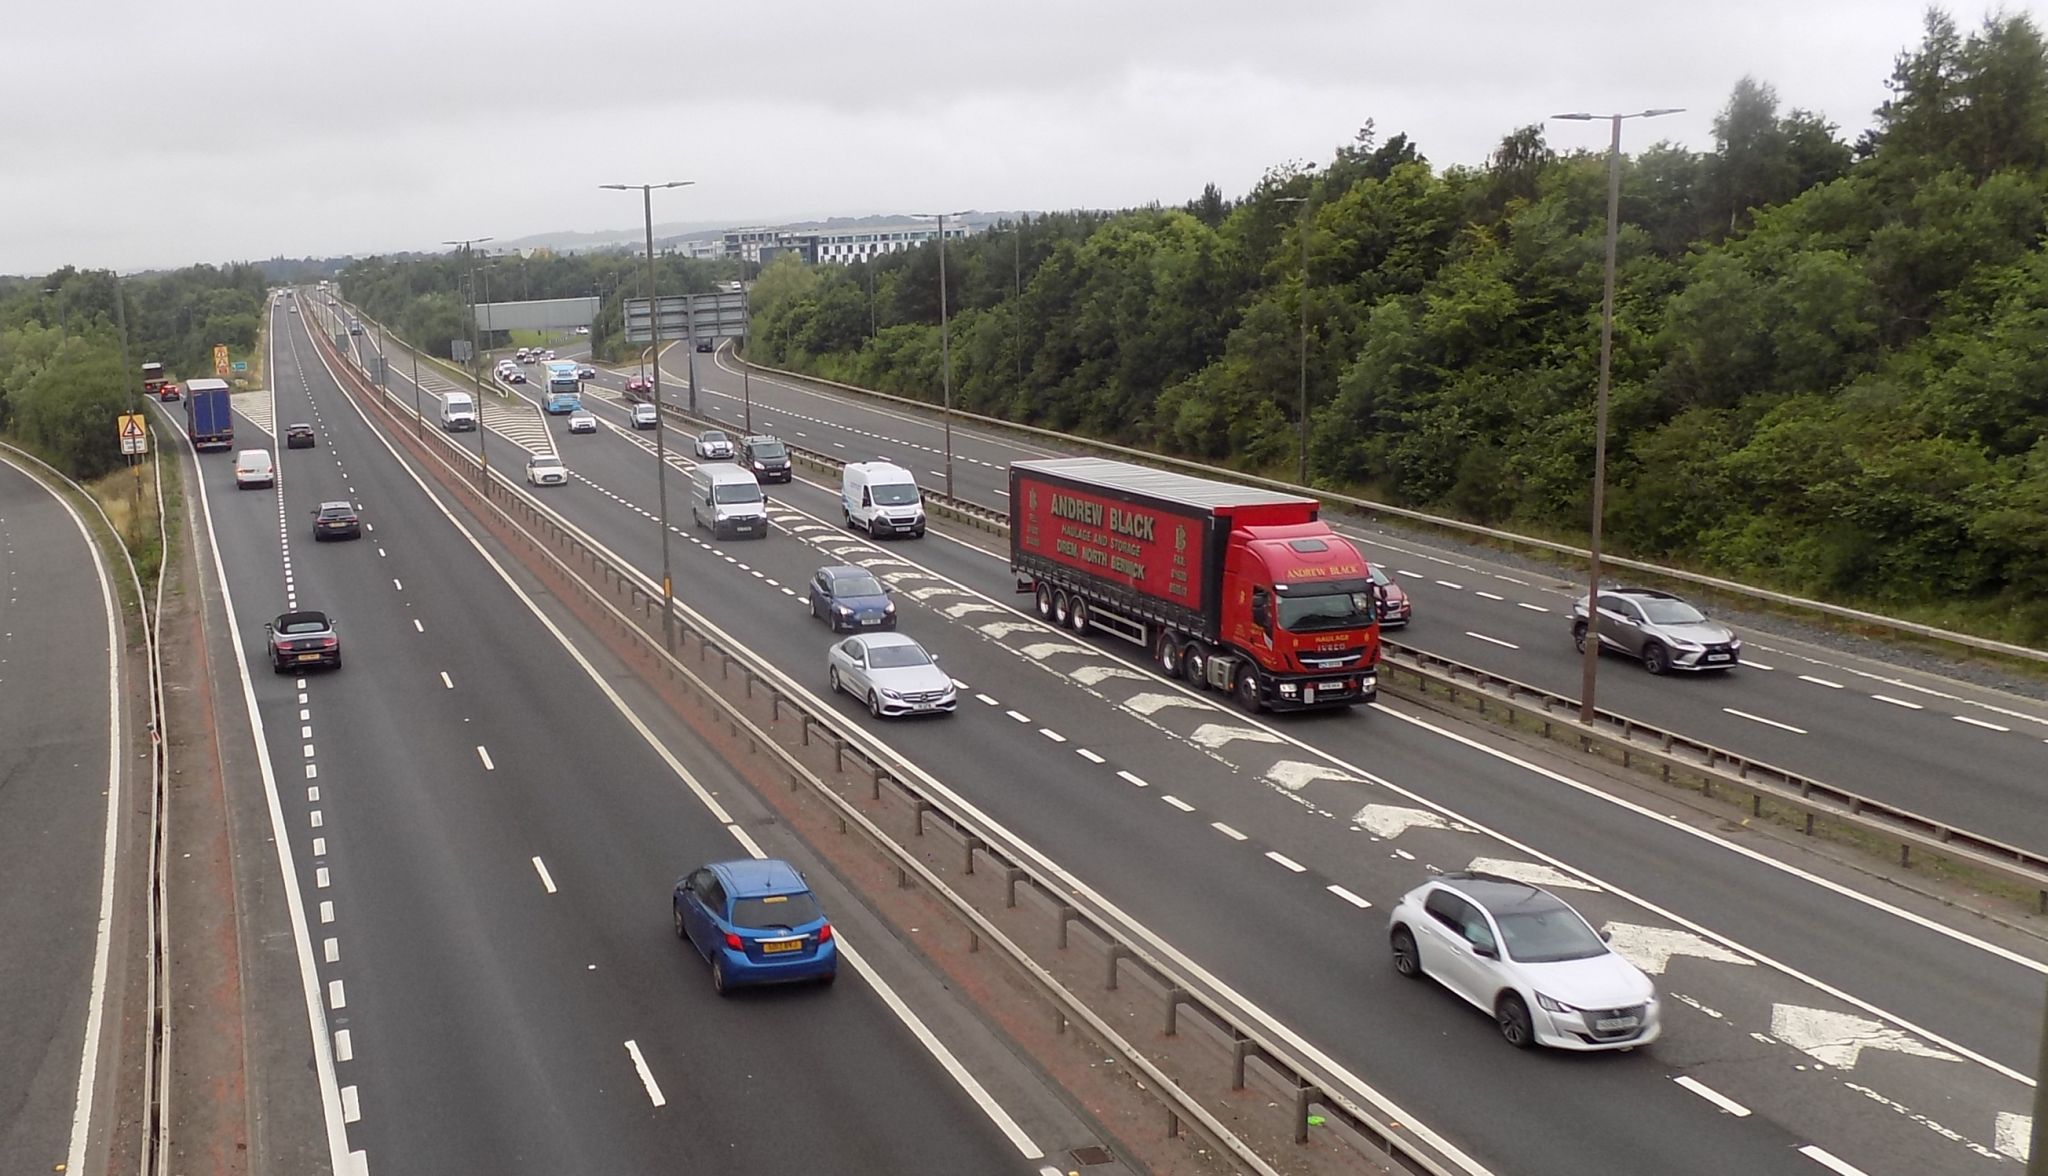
x: 945, y: 1057
x: 1820, y: 681
x: 295, y: 906
x: 1713, y: 1096
x: 1825, y: 1159
x: 540, y: 867
x: 95, y: 1013
x: 654, y: 1094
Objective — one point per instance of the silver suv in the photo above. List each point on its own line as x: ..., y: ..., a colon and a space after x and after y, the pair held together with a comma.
x: 1661, y: 629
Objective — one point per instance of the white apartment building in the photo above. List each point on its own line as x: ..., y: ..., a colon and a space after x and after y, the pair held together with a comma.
x: 844, y: 247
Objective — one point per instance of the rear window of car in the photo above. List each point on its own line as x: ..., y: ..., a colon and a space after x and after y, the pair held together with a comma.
x: 775, y: 912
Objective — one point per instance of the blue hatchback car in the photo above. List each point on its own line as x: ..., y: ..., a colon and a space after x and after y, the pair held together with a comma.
x: 851, y: 598
x: 757, y: 922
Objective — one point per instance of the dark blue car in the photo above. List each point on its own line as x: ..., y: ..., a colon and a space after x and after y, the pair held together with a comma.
x: 757, y: 922
x: 851, y: 598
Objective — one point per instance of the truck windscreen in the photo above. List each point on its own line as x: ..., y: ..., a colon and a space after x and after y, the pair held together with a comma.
x: 1325, y: 611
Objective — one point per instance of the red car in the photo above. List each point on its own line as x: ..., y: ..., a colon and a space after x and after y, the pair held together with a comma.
x: 639, y: 388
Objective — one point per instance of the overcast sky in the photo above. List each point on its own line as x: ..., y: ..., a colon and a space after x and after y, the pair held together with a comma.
x: 160, y: 133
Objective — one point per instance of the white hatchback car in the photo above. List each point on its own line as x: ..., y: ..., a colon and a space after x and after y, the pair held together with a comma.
x: 546, y: 469
x: 582, y: 422
x: 892, y: 674
x: 1525, y: 956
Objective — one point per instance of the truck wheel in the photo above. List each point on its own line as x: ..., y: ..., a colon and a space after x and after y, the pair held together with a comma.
x: 1044, y: 602
x: 1168, y: 653
x: 1080, y: 618
x: 1246, y: 688
x: 1194, y: 665
x: 1062, y: 607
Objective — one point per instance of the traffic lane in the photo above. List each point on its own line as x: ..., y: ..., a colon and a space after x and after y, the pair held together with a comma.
x: 530, y: 798
x: 54, y: 775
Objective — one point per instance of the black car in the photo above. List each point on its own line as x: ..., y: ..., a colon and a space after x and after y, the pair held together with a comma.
x: 586, y: 372
x: 299, y: 437
x: 704, y: 348
x: 337, y: 520
x: 767, y: 456
x: 304, y: 638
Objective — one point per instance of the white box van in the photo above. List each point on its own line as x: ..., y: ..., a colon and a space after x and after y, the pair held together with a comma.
x: 458, y: 412
x: 253, y: 468
x: 881, y: 498
x: 727, y: 499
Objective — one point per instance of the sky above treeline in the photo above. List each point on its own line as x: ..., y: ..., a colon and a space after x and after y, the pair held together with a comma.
x: 156, y: 134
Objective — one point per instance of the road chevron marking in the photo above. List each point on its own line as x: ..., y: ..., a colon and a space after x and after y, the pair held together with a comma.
x: 1215, y: 735
x: 1839, y: 1039
x: 1534, y: 873
x: 1392, y: 820
x: 1150, y: 703
x: 2014, y: 1135
x: 1651, y: 948
x: 1294, y: 775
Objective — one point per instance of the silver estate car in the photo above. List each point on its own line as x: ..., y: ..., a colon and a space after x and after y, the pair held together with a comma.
x: 1659, y: 628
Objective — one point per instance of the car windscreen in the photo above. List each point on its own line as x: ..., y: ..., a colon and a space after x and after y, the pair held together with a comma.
x: 862, y: 585
x: 896, y: 657
x: 1548, y: 936
x: 715, y: 438
x: 775, y: 912
x: 1327, y: 610
x: 736, y: 492
x: 1670, y: 612
x: 894, y: 493
x: 768, y: 449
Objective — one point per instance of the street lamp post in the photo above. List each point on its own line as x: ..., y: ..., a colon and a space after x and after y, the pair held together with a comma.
x: 1301, y: 410
x: 418, y: 420
x: 1591, y: 658
x: 668, y: 588
x: 57, y: 296
x: 483, y: 463
x: 945, y: 346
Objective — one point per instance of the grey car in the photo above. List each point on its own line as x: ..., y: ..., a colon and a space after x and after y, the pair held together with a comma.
x: 1661, y: 629
x: 892, y: 674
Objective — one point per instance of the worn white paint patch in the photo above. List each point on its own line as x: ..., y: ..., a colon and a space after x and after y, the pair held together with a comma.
x: 1392, y: 820
x: 806, y: 528
x: 1948, y: 1133
x: 1651, y: 948
x: 2014, y: 1136
x: 1214, y: 735
x: 1534, y: 873
x: 884, y: 561
x: 1295, y: 775
x: 1001, y: 629
x: 928, y: 593
x: 1840, y: 1038
x: 968, y: 607
x: 1096, y: 675
x: 1151, y: 703
x: 1040, y: 650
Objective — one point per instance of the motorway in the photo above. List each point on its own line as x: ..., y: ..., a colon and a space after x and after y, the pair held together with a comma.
x: 1974, y: 757
x: 1813, y: 1022
x: 485, y: 822
x: 59, y: 786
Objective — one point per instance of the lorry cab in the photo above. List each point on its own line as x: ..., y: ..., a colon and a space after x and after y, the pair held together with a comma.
x: 1306, y: 603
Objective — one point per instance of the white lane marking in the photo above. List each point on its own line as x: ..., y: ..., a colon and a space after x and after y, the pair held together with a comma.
x: 307, y: 751
x: 1149, y: 702
x: 316, y: 819
x: 986, y: 699
x: 2014, y: 1135
x: 1134, y: 779
x: 1406, y: 572
x: 1534, y: 873
x: 327, y: 912
x: 319, y: 847
x: 1766, y: 722
x: 1494, y: 640
x: 1090, y: 756
x: 306, y: 732
x: 330, y: 949
x: 304, y: 714
x: 1051, y: 734
x: 1215, y: 735
x: 1178, y: 803
x: 446, y: 680
x: 1286, y: 862
x: 351, y: 1110
x: 1756, y: 665
x: 1019, y: 716
x: 654, y: 1094
x: 1096, y: 675
x: 344, y: 1045
x: 396, y: 584
x: 1979, y: 723
x: 486, y: 757
x: 1651, y: 948
x: 1825, y: 1159
x: 1509, y: 579
x: 336, y: 997
x: 1820, y: 681
x: 1448, y: 584
x: 1487, y: 595
x: 1349, y: 897
x: 1389, y: 821
x: 540, y: 867
x: 1898, y: 702
x: 1294, y: 775
x: 1839, y: 1039
x: 1227, y: 831
x: 1713, y: 1096
x: 418, y: 628
x: 1531, y: 607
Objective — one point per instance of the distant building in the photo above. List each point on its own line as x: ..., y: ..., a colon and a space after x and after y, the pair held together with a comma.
x: 835, y: 246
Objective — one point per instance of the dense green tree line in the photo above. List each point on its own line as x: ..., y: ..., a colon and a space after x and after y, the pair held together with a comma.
x: 1830, y: 359
x: 61, y: 379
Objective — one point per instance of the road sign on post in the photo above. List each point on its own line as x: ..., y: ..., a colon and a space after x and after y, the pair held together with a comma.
x: 240, y: 365
x: 715, y: 316
x: 134, y: 435
x: 220, y: 359
x: 458, y: 350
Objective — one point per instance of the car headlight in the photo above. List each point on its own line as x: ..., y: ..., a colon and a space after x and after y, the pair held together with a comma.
x: 759, y: 466
x: 1694, y: 646
x: 1555, y: 1006
x: 889, y: 609
x: 886, y: 693
x: 1735, y: 643
x: 842, y: 610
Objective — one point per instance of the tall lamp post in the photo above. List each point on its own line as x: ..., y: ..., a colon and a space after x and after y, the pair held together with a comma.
x: 1591, y: 658
x: 945, y: 345
x: 1301, y: 411
x: 668, y: 587
x: 483, y: 464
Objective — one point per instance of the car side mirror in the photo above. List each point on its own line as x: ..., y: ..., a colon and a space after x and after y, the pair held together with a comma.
x: 935, y: 659
x: 1606, y: 936
x: 888, y: 590
x: 1485, y: 952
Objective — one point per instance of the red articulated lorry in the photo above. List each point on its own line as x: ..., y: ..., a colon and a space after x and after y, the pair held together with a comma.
x: 1234, y: 589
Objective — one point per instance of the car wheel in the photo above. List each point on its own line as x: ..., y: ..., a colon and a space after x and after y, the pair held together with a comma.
x: 874, y: 704
x: 276, y: 666
x: 1656, y: 658
x: 829, y: 977
x: 1245, y: 687
x: 1168, y: 654
x: 1194, y: 665
x: 875, y: 528
x: 678, y: 911
x: 834, y: 676
x: 849, y: 518
x: 1513, y: 1018
x: 1044, y: 602
x: 1579, y: 635
x: 337, y: 661
x: 1407, y: 961
x: 718, y: 977
x: 815, y: 615
x: 1079, y: 621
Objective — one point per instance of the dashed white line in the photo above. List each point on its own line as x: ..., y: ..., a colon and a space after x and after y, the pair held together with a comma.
x: 540, y: 867
x: 1134, y: 779
x: 1713, y: 1096
x: 1820, y: 681
x: 1492, y: 640
x: 1349, y: 897
x: 1487, y: 595
x: 330, y: 948
x: 1756, y: 665
x: 646, y: 1076
x: 1898, y: 702
x: 990, y: 701
x: 351, y: 1109
x: 1510, y: 579
x: 1090, y: 756
x: 1531, y: 607
x: 305, y: 732
x: 446, y: 680
x: 1979, y: 723
x: 1019, y: 716
x: 1051, y: 734
x: 320, y: 878
x: 327, y: 912
x: 486, y: 757
x: 1448, y: 584
x: 1286, y: 862
x: 1178, y: 803
x: 1766, y: 722
x: 336, y: 997
x: 1822, y: 1157
x: 417, y: 627
x: 319, y: 847
x: 344, y: 1046
x: 395, y: 583
x: 316, y: 819
x: 1226, y: 830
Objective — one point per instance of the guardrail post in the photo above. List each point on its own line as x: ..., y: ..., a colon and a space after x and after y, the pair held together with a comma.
x: 774, y: 706
x: 1175, y: 997
x: 1172, y: 1124
x: 973, y: 843
x: 1240, y: 1048
x: 805, y: 717
x: 1067, y: 915
x: 875, y: 777
x: 1117, y: 951
x: 1302, y: 1091
x: 838, y: 754
x: 918, y: 808
x: 1011, y: 877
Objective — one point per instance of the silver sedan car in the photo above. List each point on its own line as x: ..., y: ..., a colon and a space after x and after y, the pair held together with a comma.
x: 892, y: 674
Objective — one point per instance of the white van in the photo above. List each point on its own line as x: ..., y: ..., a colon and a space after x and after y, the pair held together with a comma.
x: 727, y: 499
x: 881, y: 497
x: 458, y: 412
x: 253, y: 468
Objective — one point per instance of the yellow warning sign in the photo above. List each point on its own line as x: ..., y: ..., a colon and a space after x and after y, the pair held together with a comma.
x: 134, y: 434
x: 220, y: 359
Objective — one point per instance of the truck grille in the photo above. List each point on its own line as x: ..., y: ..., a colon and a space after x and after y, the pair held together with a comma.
x: 1335, y: 660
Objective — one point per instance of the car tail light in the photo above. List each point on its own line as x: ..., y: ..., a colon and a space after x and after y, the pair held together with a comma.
x: 825, y: 933
x: 329, y: 642
x: 733, y: 941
